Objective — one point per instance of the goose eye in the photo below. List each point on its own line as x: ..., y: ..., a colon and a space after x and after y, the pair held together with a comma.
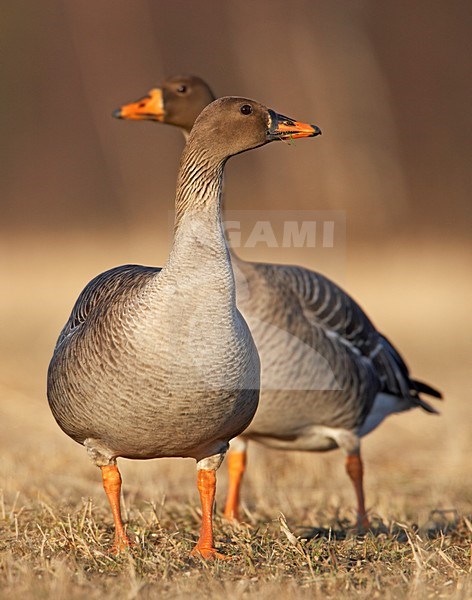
x: 182, y: 89
x: 246, y: 109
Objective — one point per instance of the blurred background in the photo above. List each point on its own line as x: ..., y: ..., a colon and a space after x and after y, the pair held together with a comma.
x: 388, y: 83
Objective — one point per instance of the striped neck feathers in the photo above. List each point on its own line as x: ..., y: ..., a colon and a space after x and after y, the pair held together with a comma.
x: 199, y: 185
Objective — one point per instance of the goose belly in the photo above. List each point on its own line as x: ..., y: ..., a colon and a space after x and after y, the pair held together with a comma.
x: 292, y: 416
x: 144, y: 399
x: 145, y: 417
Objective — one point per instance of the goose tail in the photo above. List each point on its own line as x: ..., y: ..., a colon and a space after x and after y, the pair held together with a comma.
x: 423, y: 388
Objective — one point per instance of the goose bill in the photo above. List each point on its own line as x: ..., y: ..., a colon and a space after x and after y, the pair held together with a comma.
x: 150, y: 108
x: 284, y: 128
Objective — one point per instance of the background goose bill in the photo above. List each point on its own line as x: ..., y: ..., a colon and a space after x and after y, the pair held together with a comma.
x: 284, y: 128
x: 149, y: 108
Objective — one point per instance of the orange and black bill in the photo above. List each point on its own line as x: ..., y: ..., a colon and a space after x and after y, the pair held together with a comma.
x: 148, y: 108
x: 284, y: 128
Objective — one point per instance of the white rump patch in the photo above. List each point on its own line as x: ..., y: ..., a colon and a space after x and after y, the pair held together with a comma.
x: 384, y: 405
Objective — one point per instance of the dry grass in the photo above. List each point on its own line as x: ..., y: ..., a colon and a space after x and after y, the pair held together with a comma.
x: 60, y: 551
x: 55, y: 526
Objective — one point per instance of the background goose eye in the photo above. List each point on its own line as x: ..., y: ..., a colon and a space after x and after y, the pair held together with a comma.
x: 182, y: 89
x: 246, y: 109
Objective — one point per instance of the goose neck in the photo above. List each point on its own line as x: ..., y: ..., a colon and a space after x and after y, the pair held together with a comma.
x: 199, y: 245
x: 199, y: 186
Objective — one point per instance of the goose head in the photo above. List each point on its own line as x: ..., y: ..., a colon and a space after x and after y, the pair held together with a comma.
x: 177, y: 102
x: 232, y: 125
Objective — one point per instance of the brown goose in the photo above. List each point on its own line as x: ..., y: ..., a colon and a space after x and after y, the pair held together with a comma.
x: 328, y: 376
x: 159, y: 362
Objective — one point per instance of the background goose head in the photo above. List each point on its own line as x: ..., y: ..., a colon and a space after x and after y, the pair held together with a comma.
x: 231, y: 125
x: 178, y: 102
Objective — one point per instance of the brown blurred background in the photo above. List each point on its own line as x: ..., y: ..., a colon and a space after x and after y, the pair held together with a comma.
x: 389, y: 83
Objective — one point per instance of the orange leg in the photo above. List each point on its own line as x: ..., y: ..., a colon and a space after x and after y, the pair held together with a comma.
x: 206, y: 481
x: 355, y: 471
x: 236, y: 468
x: 112, y: 484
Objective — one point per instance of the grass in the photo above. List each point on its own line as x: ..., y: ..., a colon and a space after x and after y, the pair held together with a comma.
x: 58, y: 551
x: 298, y: 538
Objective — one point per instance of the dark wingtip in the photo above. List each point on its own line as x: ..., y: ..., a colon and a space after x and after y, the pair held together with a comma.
x: 116, y: 113
x: 424, y: 388
x: 427, y: 407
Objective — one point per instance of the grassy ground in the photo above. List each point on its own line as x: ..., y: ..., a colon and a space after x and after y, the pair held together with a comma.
x: 298, y: 537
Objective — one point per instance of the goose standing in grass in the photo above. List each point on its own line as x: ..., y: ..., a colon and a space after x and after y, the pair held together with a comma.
x: 328, y: 376
x: 159, y: 362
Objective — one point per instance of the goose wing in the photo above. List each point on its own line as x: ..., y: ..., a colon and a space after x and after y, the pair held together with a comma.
x: 101, y: 291
x: 326, y: 305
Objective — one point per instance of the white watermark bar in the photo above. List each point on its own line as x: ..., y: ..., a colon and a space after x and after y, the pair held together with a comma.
x: 295, y: 234
x: 258, y: 229
x: 315, y: 239
x: 285, y: 229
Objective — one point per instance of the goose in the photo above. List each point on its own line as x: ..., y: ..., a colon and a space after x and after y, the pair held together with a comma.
x: 329, y: 377
x: 159, y: 362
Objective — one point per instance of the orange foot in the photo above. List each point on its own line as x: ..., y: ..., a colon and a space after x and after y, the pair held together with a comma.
x: 232, y: 517
x: 121, y: 545
x: 208, y: 554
